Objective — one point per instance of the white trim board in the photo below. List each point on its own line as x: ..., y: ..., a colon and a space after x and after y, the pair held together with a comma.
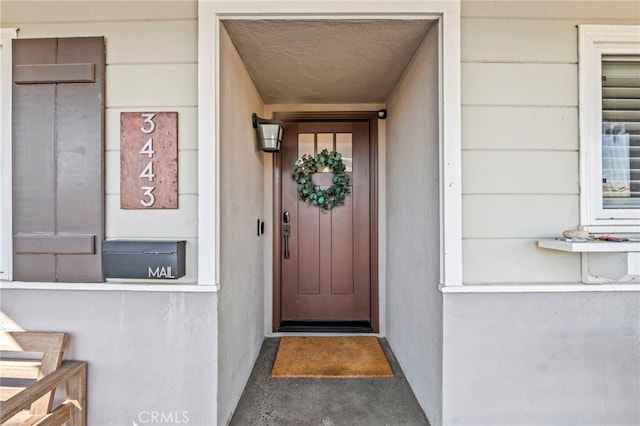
x: 447, y: 12
x: 137, y: 287
x: 592, y: 246
x: 6, y: 261
x: 594, y: 41
x: 539, y: 288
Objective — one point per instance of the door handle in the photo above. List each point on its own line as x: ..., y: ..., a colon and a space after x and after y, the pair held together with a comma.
x: 286, y: 231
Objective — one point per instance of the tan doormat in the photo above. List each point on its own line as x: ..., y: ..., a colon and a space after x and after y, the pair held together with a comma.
x: 344, y: 356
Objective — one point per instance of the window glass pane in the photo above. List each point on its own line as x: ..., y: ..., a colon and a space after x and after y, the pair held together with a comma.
x: 620, y: 133
x: 325, y: 141
x: 344, y: 147
x: 306, y: 144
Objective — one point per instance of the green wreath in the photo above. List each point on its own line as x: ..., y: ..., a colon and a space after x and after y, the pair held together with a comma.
x: 307, y: 165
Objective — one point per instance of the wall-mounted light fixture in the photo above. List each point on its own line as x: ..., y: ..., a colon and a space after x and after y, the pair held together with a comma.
x: 270, y: 133
x: 382, y: 113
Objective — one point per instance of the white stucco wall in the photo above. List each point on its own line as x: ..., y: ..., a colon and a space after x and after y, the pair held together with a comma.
x: 146, y: 352
x: 542, y: 359
x: 413, y: 302
x: 242, y: 251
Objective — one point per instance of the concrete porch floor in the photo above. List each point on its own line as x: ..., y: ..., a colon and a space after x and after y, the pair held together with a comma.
x: 268, y: 401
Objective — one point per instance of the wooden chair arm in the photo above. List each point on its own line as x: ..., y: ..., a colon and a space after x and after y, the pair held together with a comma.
x: 68, y: 370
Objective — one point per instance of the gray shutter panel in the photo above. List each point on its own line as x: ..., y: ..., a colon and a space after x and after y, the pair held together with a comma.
x: 58, y: 159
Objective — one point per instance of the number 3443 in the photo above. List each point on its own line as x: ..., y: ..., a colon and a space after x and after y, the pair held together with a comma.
x: 148, y: 127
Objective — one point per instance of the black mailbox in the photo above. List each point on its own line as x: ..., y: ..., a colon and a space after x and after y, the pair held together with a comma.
x: 143, y: 259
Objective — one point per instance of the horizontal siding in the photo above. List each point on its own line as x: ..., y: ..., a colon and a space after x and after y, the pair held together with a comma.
x: 526, y: 128
x: 152, y: 56
x: 520, y: 172
x: 152, y: 84
x: 146, y: 10
x: 88, y: 10
x: 528, y: 41
x: 517, y: 261
x: 158, y: 223
x: 518, y: 216
x: 600, y: 11
x: 155, y: 41
x: 520, y: 133
x: 519, y: 84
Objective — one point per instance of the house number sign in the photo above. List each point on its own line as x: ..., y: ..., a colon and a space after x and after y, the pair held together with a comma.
x: 149, y: 160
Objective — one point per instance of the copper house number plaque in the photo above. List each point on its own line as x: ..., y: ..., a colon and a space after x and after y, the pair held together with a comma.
x: 149, y: 160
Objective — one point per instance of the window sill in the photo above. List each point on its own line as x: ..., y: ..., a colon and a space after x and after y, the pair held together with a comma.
x: 108, y: 286
x: 591, y: 246
x: 540, y: 288
x: 604, y: 262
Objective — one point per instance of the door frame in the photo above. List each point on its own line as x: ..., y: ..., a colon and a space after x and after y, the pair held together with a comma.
x: 372, y: 118
x: 445, y: 13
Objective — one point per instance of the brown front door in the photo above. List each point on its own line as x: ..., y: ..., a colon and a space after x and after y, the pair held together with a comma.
x: 325, y: 266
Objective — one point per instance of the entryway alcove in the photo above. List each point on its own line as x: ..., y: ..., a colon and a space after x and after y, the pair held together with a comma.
x: 308, y: 65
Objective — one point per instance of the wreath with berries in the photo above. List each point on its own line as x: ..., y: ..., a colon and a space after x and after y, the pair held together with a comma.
x: 328, y: 198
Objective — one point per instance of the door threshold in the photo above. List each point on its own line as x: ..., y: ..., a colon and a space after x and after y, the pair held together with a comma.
x: 289, y: 326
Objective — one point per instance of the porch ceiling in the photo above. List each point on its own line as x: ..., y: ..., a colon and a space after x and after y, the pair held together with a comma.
x: 326, y: 61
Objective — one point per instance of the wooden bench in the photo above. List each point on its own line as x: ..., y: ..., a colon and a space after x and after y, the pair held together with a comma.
x: 32, y: 404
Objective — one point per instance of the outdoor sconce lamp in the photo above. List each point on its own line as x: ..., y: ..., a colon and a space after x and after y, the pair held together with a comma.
x: 270, y: 133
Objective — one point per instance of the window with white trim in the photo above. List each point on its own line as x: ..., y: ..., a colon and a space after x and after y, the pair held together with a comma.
x: 609, y: 69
